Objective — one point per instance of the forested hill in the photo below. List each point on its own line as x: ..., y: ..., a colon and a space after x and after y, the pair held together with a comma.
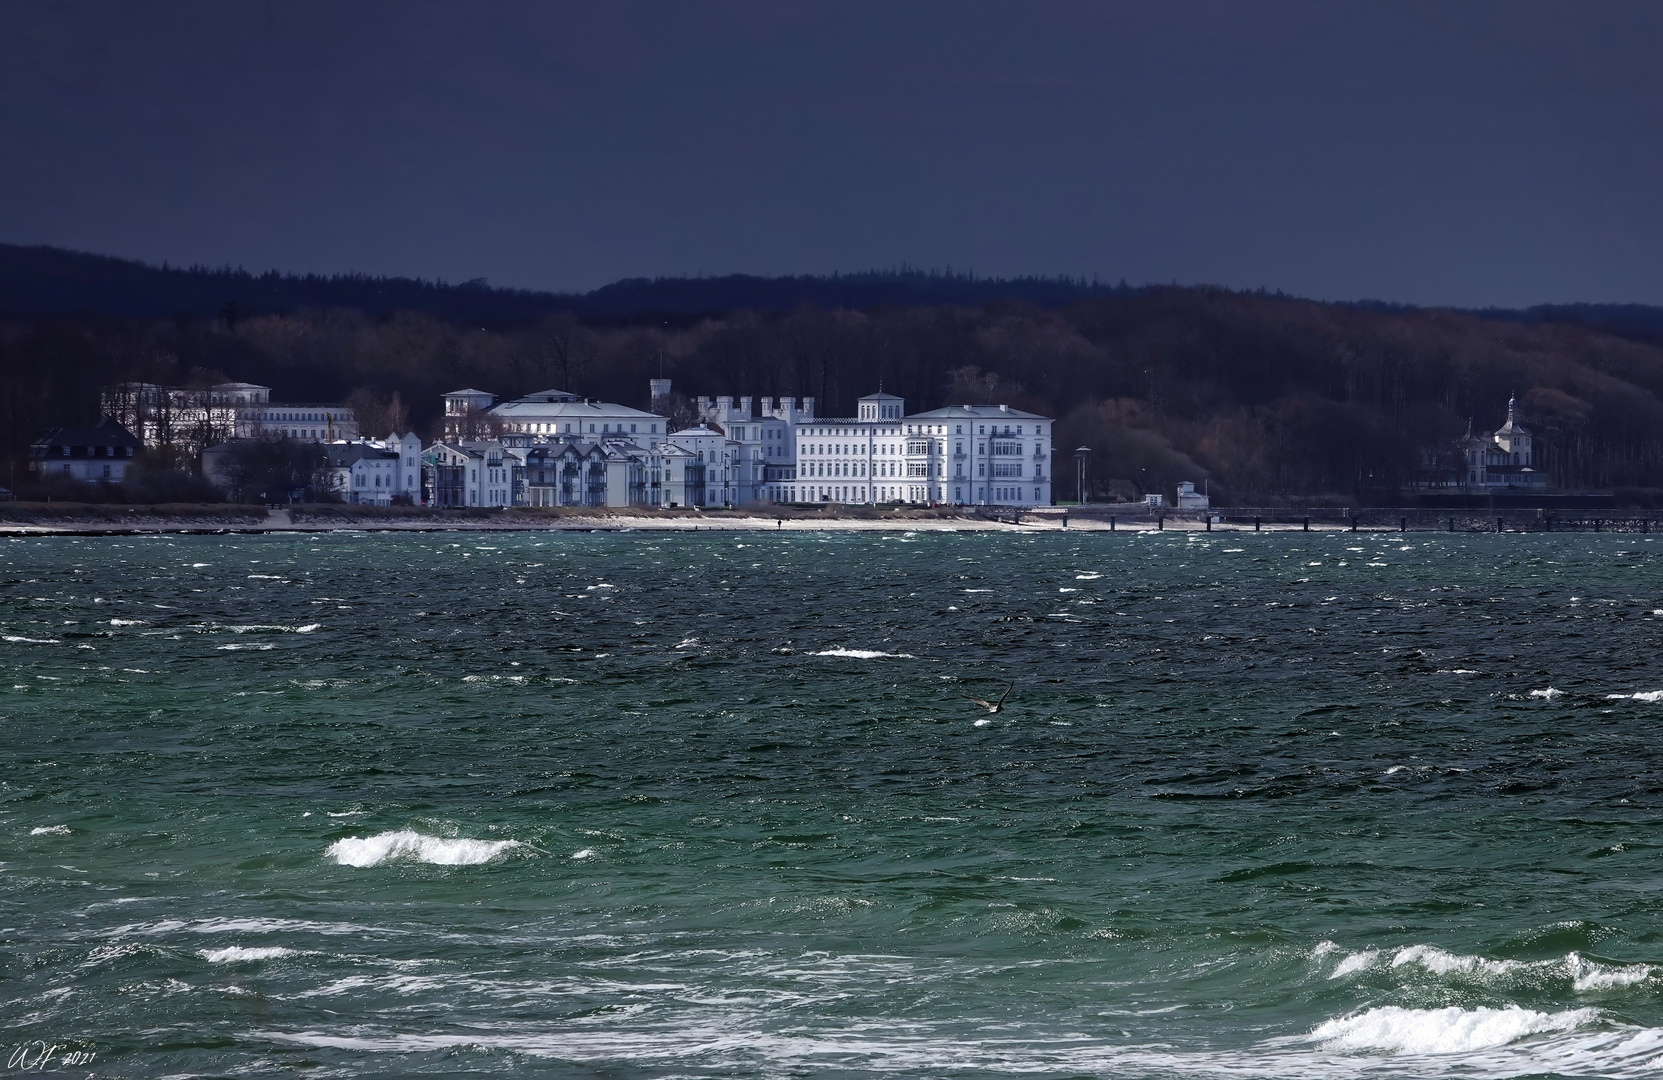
x: 1268, y: 398
x: 52, y: 281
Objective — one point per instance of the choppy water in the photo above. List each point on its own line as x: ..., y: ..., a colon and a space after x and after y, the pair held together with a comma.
x: 653, y: 805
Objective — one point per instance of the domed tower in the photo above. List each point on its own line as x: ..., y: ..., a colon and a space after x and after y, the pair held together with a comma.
x: 1513, y: 438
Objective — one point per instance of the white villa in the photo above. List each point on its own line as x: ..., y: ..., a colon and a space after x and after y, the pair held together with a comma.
x: 1504, y: 459
x: 98, y: 454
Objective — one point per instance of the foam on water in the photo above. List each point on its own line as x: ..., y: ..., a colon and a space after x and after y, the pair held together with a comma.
x: 49, y: 830
x: 864, y: 654
x: 1546, y: 695
x: 1398, y: 1030
x: 1649, y: 696
x: 237, y: 953
x: 407, y: 844
x: 1387, y: 1041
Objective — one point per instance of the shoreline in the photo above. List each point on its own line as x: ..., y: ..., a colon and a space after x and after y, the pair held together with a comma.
x: 212, y: 520
x: 1047, y: 523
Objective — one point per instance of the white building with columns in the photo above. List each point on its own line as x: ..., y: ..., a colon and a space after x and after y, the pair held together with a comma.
x: 983, y: 455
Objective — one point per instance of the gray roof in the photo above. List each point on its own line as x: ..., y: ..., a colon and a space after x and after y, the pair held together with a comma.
x: 977, y: 412
x: 105, y: 433
x: 342, y: 455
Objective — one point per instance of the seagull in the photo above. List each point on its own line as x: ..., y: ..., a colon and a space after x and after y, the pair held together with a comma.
x: 994, y: 706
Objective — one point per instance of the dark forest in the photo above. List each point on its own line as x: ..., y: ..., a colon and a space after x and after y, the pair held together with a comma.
x: 1267, y: 398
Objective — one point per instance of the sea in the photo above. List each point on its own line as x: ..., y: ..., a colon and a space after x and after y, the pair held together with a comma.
x: 651, y: 805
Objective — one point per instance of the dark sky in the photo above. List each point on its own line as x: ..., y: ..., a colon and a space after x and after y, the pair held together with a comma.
x: 1448, y: 153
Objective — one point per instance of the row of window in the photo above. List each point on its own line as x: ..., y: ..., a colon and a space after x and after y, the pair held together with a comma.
x: 812, y: 493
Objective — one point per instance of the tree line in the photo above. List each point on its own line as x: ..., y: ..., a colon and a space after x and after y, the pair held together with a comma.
x: 1265, y: 398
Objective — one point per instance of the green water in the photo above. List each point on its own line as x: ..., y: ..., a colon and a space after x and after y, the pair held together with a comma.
x: 641, y: 805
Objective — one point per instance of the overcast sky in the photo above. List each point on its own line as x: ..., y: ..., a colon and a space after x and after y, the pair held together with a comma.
x: 1445, y: 153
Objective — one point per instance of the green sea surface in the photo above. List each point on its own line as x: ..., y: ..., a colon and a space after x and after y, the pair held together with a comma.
x: 716, y: 805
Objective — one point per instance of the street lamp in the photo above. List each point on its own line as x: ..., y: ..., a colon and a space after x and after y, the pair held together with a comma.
x: 1080, y: 453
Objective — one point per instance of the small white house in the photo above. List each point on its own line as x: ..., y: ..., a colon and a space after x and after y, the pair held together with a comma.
x: 1190, y: 499
x: 91, y: 455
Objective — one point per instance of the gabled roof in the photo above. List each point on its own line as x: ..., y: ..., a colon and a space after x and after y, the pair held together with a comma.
x: 471, y: 392
x: 881, y: 396
x: 104, y: 433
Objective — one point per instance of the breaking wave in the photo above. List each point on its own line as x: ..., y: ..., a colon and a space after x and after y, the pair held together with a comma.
x: 409, y: 845
x: 864, y: 654
x: 1583, y: 975
x: 1397, y: 1030
x: 235, y: 953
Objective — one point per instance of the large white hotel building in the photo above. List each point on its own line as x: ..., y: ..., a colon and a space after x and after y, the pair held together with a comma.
x: 979, y: 454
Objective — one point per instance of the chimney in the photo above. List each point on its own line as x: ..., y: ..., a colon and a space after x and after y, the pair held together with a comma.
x: 808, y: 408
x: 745, y: 407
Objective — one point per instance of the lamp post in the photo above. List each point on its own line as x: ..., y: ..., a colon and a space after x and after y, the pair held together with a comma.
x: 1080, y: 453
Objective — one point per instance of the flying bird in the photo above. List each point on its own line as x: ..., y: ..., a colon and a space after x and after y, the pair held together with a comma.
x: 993, y: 706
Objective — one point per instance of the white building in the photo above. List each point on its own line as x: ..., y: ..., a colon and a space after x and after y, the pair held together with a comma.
x: 549, y: 414
x: 712, y: 475
x: 1191, y: 499
x: 376, y: 471
x: 987, y: 455
x: 99, y: 454
x: 581, y: 472
x: 764, y: 458
x: 474, y: 473
x: 1503, y: 459
x: 187, y: 419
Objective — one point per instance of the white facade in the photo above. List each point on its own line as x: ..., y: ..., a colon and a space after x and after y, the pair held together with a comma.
x: 475, y: 473
x: 712, y: 474
x: 375, y: 471
x: 764, y: 452
x: 1191, y: 499
x: 1502, y: 460
x: 92, y: 455
x: 191, y: 418
x: 985, y: 455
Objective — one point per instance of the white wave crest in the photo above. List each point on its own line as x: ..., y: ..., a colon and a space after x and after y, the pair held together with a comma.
x: 418, y: 847
x: 232, y: 954
x: 19, y: 639
x: 1583, y: 974
x: 1546, y: 695
x: 865, y: 654
x: 49, y: 830
x: 1648, y: 696
x: 1443, y: 1031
